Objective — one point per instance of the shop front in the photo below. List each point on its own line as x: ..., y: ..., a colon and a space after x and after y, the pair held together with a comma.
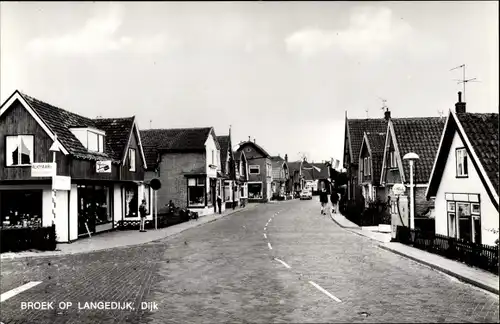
x: 95, y: 208
x: 21, y: 208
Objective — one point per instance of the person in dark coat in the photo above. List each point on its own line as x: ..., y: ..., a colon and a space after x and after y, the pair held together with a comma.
x: 219, y: 203
x: 334, y: 198
x: 323, y: 199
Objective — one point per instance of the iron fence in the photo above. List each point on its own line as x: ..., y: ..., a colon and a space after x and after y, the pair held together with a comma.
x: 478, y: 255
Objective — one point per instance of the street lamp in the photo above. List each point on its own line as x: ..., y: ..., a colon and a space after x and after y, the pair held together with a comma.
x: 411, y: 157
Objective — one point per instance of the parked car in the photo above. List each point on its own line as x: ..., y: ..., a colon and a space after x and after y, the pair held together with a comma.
x: 305, y: 194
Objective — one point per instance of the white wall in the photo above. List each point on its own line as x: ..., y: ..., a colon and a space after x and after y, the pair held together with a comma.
x: 209, y: 146
x: 73, y: 213
x: 117, y: 203
x: 471, y: 185
x: 61, y: 220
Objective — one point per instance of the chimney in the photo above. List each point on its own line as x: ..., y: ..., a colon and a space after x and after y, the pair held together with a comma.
x: 387, y: 114
x: 249, y: 139
x: 286, y: 157
x: 460, y: 106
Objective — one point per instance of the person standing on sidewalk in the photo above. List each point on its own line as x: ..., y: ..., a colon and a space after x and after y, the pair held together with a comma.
x: 219, y: 203
x: 323, y: 199
x: 142, y: 212
x: 334, y: 198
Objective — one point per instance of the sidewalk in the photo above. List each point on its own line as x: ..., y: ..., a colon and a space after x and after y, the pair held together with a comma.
x: 471, y: 275
x: 118, y: 238
x: 474, y: 276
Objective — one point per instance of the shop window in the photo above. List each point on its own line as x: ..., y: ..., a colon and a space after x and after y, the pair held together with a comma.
x: 452, y: 225
x: 21, y: 208
x: 131, y: 201
x: 255, y: 190
x: 461, y: 159
x: 464, y: 221
x: 19, y: 150
x: 228, y: 194
x: 254, y: 169
x: 131, y: 159
x: 102, y: 205
x: 196, y: 192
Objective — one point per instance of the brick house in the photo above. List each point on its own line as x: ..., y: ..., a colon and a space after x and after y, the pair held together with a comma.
x: 404, y: 135
x: 464, y: 178
x: 281, y: 176
x: 259, y: 171
x: 99, y: 173
x: 353, y: 138
x: 188, y: 163
x: 370, y: 166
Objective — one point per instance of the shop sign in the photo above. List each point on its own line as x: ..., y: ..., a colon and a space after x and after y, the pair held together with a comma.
x: 103, y: 166
x: 398, y: 189
x: 61, y: 183
x: 43, y: 170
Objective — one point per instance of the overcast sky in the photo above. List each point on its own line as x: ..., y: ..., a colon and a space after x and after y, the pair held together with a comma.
x: 282, y: 72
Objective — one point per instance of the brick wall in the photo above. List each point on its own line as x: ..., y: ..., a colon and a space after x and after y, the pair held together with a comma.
x: 172, y: 168
x: 421, y: 203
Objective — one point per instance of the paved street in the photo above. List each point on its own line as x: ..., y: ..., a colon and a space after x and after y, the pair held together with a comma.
x: 230, y: 271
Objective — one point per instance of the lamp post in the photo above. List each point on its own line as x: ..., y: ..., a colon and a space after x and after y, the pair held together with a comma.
x: 411, y: 157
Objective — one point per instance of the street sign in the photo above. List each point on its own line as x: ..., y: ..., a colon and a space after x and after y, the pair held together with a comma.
x: 155, y: 184
x: 61, y: 183
x: 43, y: 170
x: 103, y: 166
x: 398, y: 189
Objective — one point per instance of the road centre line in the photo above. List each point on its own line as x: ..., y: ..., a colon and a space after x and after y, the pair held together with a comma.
x: 283, y: 263
x: 265, y: 236
x: 270, y: 247
x: 324, y: 291
x: 11, y: 293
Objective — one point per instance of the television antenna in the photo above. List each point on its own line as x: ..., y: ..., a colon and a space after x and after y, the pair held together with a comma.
x: 463, y: 80
x: 441, y: 113
x: 384, y: 106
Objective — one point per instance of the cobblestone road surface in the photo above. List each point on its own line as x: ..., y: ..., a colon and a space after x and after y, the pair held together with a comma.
x: 225, y: 271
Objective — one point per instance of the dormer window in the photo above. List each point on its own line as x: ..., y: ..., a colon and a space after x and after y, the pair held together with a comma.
x: 92, y: 139
x: 95, y: 142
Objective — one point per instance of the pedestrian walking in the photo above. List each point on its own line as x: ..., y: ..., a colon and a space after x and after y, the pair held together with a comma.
x: 334, y: 198
x: 219, y: 203
x: 142, y: 212
x: 323, y: 199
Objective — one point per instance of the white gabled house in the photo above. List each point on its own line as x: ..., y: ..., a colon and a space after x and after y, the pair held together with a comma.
x: 464, y: 178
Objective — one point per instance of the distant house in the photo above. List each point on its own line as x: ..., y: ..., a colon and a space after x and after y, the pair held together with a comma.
x: 464, y: 178
x: 99, y: 176
x: 404, y: 135
x: 259, y: 171
x: 188, y: 163
x: 228, y: 171
x: 370, y: 166
x: 354, y: 134
x: 241, y: 175
x: 295, y: 177
x: 281, y: 176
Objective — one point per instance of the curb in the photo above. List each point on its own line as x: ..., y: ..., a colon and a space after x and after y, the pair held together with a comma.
x: 55, y: 254
x: 342, y: 226
x: 448, y: 272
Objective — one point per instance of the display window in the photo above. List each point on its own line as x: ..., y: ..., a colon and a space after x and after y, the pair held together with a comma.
x: 21, y: 208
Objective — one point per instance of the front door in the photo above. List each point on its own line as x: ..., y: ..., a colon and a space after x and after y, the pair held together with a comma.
x: 213, y: 193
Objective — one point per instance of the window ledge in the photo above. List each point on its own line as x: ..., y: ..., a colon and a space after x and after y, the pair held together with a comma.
x: 18, y: 165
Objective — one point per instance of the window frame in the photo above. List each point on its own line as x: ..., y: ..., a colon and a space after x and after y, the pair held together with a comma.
x: 32, y: 153
x: 131, y: 167
x: 392, y: 160
x: 255, y: 166
x: 463, y: 160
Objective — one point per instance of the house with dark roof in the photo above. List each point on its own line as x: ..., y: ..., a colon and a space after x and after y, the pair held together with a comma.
x: 229, y: 170
x: 295, y: 177
x: 465, y: 177
x: 280, y: 185
x: 370, y: 165
x: 418, y: 135
x: 259, y: 171
x: 98, y: 172
x: 353, y: 138
x: 187, y: 161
